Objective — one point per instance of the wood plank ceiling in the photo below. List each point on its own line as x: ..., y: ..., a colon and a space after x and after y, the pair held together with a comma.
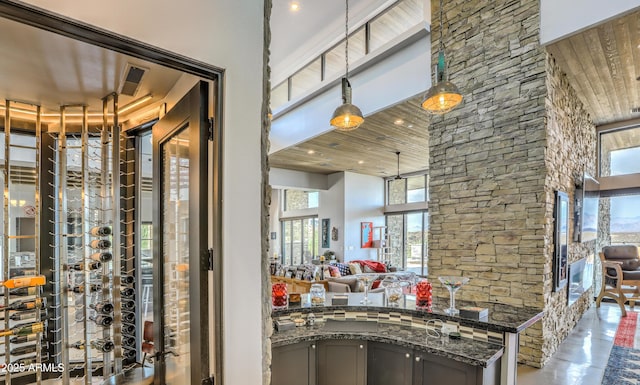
x: 603, y: 65
x: 368, y: 150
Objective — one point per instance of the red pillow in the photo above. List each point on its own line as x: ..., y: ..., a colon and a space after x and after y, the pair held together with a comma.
x: 375, y: 284
x: 335, y: 272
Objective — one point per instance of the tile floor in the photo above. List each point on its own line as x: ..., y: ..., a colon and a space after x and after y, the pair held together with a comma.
x: 582, y: 357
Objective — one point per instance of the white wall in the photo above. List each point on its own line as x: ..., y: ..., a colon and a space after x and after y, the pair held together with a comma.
x: 395, y: 78
x: 331, y: 205
x: 274, y: 222
x: 561, y: 18
x: 212, y: 31
x: 363, y: 202
x: 281, y: 178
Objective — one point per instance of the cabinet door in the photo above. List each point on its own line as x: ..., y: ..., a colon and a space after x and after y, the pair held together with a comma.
x: 294, y: 364
x: 342, y: 362
x: 389, y: 364
x: 433, y: 370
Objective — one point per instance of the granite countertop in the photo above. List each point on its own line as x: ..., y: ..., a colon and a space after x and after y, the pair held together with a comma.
x: 501, y: 317
x: 476, y: 353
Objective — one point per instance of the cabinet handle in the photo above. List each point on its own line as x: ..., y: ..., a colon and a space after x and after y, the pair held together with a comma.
x: 313, y: 346
x: 417, y: 359
x: 407, y: 355
x: 361, y: 346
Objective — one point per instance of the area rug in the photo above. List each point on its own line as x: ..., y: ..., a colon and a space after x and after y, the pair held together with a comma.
x: 623, y: 367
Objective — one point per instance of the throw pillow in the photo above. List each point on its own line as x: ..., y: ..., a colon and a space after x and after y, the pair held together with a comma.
x: 344, y: 269
x: 335, y: 272
x: 355, y: 268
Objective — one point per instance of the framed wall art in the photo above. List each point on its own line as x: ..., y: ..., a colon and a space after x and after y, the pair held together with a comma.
x: 561, y: 241
x: 366, y: 235
x: 326, y: 224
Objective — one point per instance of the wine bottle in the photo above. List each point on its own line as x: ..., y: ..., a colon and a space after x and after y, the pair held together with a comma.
x: 128, y: 317
x: 128, y: 341
x: 26, y: 361
x: 27, y: 305
x: 93, y: 265
x: 102, y: 320
x: 26, y: 315
x: 23, y: 339
x: 100, y: 231
x: 102, y: 307
x: 103, y: 256
x: 92, y: 288
x: 103, y: 345
x: 37, y: 280
x: 127, y: 292
x: 127, y: 279
x: 128, y: 329
x: 100, y: 244
x: 129, y: 353
x: 23, y: 291
x: 23, y: 329
x: 128, y: 305
x: 23, y: 350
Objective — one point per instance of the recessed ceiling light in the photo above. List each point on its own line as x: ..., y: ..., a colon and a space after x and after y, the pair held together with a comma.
x: 410, y: 126
x: 361, y: 162
x: 333, y: 145
x: 398, y: 122
x: 311, y: 152
x: 294, y: 6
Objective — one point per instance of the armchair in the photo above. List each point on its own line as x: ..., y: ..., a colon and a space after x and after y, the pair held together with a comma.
x: 620, y: 275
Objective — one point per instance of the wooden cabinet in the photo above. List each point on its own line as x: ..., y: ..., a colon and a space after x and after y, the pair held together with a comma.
x: 433, y: 370
x: 342, y: 362
x: 389, y: 364
x: 294, y: 364
x: 355, y: 362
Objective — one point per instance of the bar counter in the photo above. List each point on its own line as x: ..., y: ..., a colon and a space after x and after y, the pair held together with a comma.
x: 483, y: 341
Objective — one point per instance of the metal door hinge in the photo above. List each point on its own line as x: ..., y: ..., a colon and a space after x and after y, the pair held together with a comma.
x: 211, y: 128
x: 211, y: 259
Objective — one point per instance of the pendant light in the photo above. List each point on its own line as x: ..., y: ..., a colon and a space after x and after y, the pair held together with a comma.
x: 443, y: 96
x: 347, y: 117
x: 398, y: 175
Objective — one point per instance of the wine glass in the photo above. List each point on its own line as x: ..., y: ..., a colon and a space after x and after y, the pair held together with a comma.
x: 366, y: 279
x: 453, y: 284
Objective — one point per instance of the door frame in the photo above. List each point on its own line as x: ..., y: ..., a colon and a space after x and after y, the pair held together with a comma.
x: 196, y: 126
x: 42, y: 19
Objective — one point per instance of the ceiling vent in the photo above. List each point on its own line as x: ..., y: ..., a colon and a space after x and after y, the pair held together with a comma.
x: 131, y: 79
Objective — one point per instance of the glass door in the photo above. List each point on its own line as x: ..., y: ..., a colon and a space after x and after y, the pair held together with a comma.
x: 180, y: 155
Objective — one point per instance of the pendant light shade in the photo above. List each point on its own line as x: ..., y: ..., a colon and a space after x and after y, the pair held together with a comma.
x: 443, y: 96
x: 347, y: 117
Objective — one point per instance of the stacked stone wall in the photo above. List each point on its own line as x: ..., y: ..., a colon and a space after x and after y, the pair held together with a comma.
x: 496, y: 159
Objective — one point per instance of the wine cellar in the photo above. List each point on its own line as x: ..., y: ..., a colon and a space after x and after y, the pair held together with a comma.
x: 69, y: 297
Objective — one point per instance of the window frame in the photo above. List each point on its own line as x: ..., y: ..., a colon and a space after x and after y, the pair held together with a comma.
x: 283, y: 244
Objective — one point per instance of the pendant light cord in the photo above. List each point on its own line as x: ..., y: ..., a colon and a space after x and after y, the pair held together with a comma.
x: 346, y: 39
x: 441, y: 43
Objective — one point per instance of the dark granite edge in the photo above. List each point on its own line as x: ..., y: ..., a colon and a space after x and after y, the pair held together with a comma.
x: 491, y: 326
x: 317, y: 335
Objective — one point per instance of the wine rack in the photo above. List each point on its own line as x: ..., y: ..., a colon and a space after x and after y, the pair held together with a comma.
x: 87, y: 232
x: 23, y: 308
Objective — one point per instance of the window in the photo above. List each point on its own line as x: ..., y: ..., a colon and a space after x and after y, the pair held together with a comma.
x: 408, y: 240
x: 307, y: 78
x: 394, y: 22
x: 299, y: 240
x: 624, y: 224
x: 407, y: 190
x: 300, y: 200
x: 146, y: 238
x: 619, y: 152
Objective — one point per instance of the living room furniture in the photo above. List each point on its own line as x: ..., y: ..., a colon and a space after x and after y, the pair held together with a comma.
x: 297, y: 285
x: 620, y: 275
